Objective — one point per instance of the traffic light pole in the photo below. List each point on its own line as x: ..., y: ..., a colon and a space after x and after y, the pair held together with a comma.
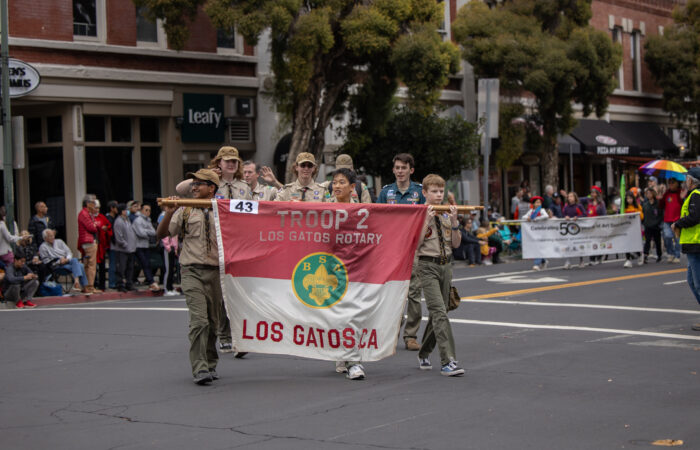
x: 6, y: 118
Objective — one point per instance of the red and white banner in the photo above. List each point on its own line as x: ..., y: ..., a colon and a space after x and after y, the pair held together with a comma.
x: 318, y: 280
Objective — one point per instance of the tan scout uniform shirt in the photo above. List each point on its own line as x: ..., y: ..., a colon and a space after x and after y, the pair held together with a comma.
x: 295, y: 192
x: 236, y: 189
x: 194, y: 245
x: 431, y: 242
x: 264, y: 193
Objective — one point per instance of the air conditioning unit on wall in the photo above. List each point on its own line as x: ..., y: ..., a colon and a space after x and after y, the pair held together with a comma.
x: 243, y: 107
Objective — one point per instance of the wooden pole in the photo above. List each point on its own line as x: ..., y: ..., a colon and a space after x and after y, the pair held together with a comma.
x: 205, y: 203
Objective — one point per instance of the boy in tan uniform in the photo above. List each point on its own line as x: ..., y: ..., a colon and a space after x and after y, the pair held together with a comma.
x: 199, y: 261
x: 434, y: 253
x: 304, y: 189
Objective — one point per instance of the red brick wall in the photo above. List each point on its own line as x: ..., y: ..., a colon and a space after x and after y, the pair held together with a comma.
x: 202, y: 34
x: 135, y: 62
x: 652, y: 12
x: 121, y: 22
x: 41, y: 19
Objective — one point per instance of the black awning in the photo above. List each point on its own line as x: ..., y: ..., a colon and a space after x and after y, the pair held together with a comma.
x: 599, y: 137
x: 649, y: 137
x: 568, y: 145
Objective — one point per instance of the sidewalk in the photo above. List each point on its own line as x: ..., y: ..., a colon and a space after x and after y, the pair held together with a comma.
x: 82, y: 298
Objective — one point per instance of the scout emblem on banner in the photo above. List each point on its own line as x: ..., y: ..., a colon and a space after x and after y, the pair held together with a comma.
x: 318, y: 280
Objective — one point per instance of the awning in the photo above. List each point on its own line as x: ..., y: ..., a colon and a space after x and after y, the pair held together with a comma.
x: 568, y: 145
x: 649, y: 137
x: 598, y: 137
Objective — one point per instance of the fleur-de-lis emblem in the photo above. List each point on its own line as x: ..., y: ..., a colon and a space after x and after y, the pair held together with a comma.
x: 320, y: 283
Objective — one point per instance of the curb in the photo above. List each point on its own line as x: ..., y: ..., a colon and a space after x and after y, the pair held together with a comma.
x: 81, y: 298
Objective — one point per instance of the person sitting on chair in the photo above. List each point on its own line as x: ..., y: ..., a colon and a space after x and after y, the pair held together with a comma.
x: 56, y: 254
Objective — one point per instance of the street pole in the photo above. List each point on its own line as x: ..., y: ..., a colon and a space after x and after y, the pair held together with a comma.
x: 6, y: 120
x: 487, y: 153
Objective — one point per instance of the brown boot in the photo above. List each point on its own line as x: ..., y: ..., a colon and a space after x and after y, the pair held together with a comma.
x: 412, y: 344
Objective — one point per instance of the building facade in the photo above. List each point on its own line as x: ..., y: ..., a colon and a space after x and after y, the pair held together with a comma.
x: 118, y: 113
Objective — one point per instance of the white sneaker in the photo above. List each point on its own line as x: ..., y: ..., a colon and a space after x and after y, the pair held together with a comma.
x: 356, y: 372
x: 640, y: 261
x: 628, y: 264
x: 544, y: 264
x: 340, y: 367
x: 676, y: 260
x: 670, y: 258
x: 582, y: 264
x: 567, y: 265
x: 171, y: 293
x: 535, y: 267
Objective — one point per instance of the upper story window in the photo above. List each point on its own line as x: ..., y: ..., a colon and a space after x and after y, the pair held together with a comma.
x: 617, y: 38
x: 85, y: 18
x: 226, y: 39
x: 635, y: 58
x: 88, y: 22
x: 146, y: 31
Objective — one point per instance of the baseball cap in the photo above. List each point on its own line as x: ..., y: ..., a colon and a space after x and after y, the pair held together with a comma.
x: 227, y: 153
x: 343, y: 161
x: 204, y: 175
x: 305, y: 157
x: 694, y: 172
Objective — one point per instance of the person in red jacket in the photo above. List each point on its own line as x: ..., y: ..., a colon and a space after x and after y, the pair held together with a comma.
x: 104, y: 237
x: 87, y: 241
x: 671, y: 203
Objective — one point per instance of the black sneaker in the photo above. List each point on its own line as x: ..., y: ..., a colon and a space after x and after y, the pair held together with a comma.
x: 240, y: 355
x: 213, y: 374
x: 203, y: 377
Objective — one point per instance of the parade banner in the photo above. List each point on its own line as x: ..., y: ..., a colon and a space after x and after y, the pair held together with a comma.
x: 318, y: 280
x: 586, y: 236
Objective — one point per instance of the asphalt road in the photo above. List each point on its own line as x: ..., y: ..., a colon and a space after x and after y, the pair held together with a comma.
x: 595, y: 358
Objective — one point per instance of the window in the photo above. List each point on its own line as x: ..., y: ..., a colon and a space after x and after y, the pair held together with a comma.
x: 150, y: 176
x: 149, y: 131
x: 109, y: 173
x: 94, y: 128
x: 85, y: 18
x: 46, y: 183
x: 635, y: 39
x: 34, y: 130
x: 121, y: 129
x: 146, y: 30
x: 226, y: 38
x: 617, y: 39
x: 54, y: 132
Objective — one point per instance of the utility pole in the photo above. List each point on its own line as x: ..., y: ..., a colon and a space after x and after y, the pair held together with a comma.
x: 6, y: 121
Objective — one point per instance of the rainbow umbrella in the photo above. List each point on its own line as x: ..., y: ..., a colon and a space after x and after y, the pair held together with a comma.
x: 663, y: 168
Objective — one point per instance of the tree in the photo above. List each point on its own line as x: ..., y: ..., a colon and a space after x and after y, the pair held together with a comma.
x: 439, y: 145
x: 674, y: 61
x: 321, y: 48
x: 544, y: 50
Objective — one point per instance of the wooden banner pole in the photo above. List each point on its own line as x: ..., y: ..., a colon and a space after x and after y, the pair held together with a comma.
x: 203, y: 203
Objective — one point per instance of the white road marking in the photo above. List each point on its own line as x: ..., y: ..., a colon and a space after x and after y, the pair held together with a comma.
x: 467, y: 300
x: 666, y: 343
x: 461, y: 321
x: 675, y: 282
x: 479, y: 277
x: 522, y: 279
x: 573, y: 328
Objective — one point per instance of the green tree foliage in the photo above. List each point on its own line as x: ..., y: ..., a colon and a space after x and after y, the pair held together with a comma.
x: 439, y: 145
x: 543, y: 49
x: 674, y: 61
x: 320, y: 48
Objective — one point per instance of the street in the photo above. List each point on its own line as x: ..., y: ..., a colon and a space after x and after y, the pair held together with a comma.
x: 590, y: 358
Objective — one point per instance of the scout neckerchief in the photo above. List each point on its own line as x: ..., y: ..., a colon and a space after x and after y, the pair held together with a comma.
x: 443, y: 256
x: 303, y: 192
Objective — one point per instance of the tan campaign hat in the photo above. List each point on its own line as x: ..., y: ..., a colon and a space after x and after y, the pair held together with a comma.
x: 343, y: 161
x: 227, y: 153
x: 204, y: 175
x: 305, y: 157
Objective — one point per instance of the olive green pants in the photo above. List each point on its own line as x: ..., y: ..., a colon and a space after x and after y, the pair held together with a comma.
x: 414, y: 313
x: 436, y: 280
x: 202, y: 290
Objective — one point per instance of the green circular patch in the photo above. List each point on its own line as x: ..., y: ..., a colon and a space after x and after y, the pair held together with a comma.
x: 320, y: 280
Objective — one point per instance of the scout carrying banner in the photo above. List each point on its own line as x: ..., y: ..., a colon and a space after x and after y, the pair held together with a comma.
x: 586, y: 236
x: 318, y: 280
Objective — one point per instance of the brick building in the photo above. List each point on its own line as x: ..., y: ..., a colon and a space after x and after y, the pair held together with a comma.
x: 117, y: 112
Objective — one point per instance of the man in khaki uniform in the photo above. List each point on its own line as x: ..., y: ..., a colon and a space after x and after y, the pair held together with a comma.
x: 304, y: 189
x: 199, y: 262
x: 260, y: 191
x: 229, y: 166
x: 361, y: 192
x: 434, y: 253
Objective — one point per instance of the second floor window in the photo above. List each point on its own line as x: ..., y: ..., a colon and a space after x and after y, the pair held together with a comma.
x: 226, y: 38
x: 146, y: 30
x: 635, y: 41
x: 85, y: 18
x: 617, y: 38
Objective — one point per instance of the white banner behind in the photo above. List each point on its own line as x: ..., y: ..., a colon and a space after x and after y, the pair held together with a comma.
x: 586, y: 236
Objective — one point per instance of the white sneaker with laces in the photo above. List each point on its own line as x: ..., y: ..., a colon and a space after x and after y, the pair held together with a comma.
x: 567, y: 265
x: 535, y: 267
x: 640, y: 261
x: 170, y: 293
x: 628, y: 264
x: 424, y: 364
x: 356, y: 372
x: 676, y: 260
